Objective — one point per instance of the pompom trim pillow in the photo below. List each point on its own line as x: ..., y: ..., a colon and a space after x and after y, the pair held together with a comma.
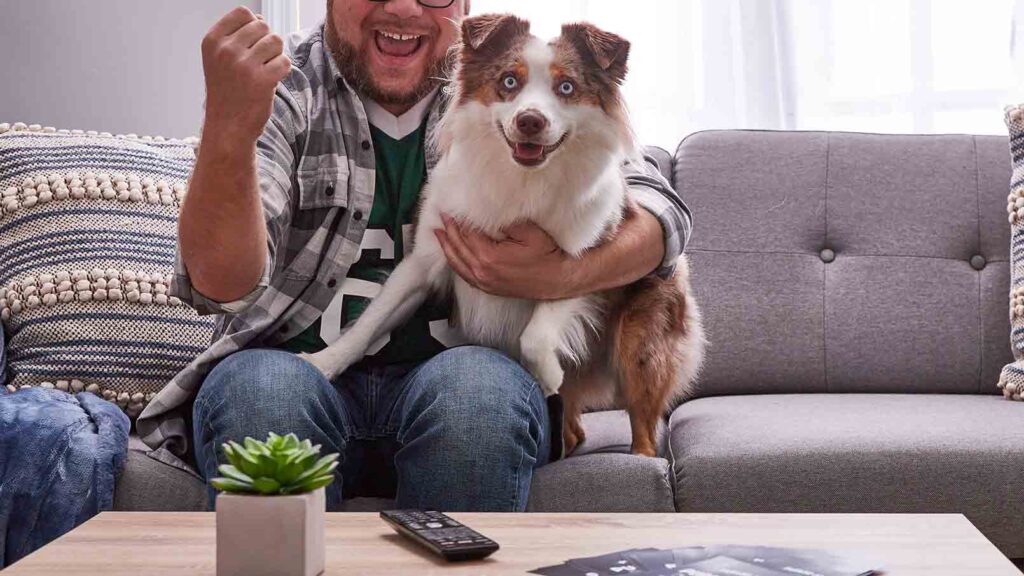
x: 88, y: 232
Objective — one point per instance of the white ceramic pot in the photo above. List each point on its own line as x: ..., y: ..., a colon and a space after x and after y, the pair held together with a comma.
x: 270, y: 535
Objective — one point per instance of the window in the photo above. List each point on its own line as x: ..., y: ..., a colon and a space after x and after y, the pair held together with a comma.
x: 921, y: 66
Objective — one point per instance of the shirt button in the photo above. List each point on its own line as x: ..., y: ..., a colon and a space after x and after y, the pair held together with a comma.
x: 366, y: 144
x: 330, y: 190
x: 358, y: 215
x: 332, y: 283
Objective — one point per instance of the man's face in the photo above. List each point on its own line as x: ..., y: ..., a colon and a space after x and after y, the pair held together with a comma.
x: 391, y: 51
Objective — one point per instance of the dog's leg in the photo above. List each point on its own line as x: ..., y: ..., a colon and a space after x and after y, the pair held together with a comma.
x: 399, y: 298
x: 557, y: 327
x: 572, y: 409
x: 648, y: 332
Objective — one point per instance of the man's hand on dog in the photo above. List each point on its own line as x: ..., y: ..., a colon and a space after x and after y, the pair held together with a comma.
x: 526, y: 264
x: 243, y: 62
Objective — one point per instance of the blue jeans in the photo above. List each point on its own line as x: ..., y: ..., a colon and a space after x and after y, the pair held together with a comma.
x: 462, y: 431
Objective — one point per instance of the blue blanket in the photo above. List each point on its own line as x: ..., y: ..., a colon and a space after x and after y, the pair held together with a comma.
x: 59, y: 457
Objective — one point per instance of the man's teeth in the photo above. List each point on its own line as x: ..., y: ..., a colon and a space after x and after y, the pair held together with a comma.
x: 395, y: 36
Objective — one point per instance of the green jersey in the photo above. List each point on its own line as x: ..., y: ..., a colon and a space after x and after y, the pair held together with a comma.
x: 400, y: 174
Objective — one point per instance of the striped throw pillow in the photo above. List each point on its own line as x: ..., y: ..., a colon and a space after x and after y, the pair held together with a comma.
x: 88, y: 226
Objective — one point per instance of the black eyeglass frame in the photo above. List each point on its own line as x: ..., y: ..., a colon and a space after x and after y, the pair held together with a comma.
x: 424, y: 3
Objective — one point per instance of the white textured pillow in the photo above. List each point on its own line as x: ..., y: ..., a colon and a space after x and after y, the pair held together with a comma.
x: 88, y: 229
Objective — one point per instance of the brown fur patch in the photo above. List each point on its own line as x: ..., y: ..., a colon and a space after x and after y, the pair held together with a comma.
x: 491, y: 47
x: 596, y: 62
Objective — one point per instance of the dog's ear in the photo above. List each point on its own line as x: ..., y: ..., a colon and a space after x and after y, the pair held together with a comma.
x: 608, y: 51
x: 490, y: 30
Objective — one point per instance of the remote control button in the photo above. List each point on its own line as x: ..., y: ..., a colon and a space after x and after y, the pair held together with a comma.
x: 435, y: 525
x: 414, y: 526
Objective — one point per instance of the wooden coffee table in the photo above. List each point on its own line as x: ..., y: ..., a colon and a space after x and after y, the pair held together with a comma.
x: 115, y: 543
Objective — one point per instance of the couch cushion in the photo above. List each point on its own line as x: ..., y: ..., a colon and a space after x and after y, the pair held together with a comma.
x: 148, y: 485
x: 603, y: 483
x: 88, y: 227
x: 854, y: 453
x: 894, y: 306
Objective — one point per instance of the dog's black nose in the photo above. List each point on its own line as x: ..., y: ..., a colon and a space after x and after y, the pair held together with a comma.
x: 531, y: 123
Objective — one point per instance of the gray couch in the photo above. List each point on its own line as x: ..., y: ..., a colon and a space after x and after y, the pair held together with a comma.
x: 854, y: 290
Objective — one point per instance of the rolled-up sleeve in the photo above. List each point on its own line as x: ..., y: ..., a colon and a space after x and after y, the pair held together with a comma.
x: 655, y: 194
x: 276, y: 157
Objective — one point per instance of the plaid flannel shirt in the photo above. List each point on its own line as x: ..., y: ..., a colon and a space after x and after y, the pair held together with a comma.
x: 315, y: 165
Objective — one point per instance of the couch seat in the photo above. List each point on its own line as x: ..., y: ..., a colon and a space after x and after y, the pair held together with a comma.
x: 855, y: 453
x: 600, y: 476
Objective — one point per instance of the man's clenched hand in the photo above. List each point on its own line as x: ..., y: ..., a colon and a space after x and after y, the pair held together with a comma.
x: 243, y: 62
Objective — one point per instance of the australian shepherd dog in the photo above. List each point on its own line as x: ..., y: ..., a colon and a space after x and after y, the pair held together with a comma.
x: 538, y: 131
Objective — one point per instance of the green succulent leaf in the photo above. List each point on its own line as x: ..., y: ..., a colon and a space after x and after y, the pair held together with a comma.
x: 256, y: 447
x: 234, y: 473
x: 275, y: 442
x: 231, y: 455
x: 231, y: 485
x: 287, y: 473
x: 323, y: 466
x: 291, y: 441
x: 312, y: 484
x: 245, y: 462
x: 266, y: 485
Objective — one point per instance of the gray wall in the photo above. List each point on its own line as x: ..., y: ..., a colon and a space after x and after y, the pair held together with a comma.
x: 121, y: 66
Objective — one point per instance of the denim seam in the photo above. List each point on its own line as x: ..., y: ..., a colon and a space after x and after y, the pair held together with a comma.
x: 525, y: 400
x: 207, y: 430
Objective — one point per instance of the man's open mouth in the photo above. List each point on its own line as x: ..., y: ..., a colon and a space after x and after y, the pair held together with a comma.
x: 398, y: 44
x: 530, y: 154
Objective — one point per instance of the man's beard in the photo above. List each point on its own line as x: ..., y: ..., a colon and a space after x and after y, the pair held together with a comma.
x: 352, y: 65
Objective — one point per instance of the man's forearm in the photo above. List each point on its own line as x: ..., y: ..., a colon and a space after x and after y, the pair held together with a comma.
x: 223, y: 235
x: 633, y: 253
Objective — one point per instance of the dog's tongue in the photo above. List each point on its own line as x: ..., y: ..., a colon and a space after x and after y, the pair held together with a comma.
x: 393, y: 47
x: 528, y: 151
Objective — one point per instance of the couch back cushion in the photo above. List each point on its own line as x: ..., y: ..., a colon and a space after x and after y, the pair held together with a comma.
x: 838, y: 262
x: 88, y: 227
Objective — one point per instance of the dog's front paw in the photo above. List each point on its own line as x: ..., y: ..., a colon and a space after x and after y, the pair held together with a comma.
x: 326, y: 363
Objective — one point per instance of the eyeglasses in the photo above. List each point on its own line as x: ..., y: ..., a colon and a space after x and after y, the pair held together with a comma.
x: 427, y: 3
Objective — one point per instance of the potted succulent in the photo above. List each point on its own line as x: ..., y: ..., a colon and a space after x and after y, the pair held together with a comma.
x: 270, y: 512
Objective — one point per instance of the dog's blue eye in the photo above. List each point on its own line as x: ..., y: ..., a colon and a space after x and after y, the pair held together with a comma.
x: 510, y: 82
x: 566, y: 88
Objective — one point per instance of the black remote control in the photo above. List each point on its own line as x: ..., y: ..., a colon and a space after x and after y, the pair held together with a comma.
x: 440, y: 534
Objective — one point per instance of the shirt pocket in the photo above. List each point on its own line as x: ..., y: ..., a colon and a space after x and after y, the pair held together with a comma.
x: 322, y: 183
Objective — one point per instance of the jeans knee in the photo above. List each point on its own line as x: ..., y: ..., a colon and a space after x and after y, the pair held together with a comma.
x: 476, y: 378
x: 477, y: 396
x: 259, y: 384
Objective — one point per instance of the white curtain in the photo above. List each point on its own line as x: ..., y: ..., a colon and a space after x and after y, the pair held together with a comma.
x: 905, y: 66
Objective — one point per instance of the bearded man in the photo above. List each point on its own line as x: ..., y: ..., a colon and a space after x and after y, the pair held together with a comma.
x: 302, y: 200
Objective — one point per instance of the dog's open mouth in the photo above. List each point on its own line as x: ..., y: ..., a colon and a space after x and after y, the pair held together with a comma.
x: 531, y: 153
